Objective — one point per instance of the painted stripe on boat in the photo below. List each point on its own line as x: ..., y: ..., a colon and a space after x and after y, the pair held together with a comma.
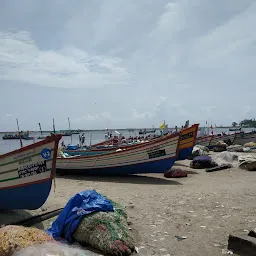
x: 91, y: 163
x: 24, y: 158
x: 137, y: 151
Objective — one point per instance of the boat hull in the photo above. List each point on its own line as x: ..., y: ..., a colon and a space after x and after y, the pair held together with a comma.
x: 154, y: 157
x: 185, y: 153
x: 29, y: 197
x: 187, y: 142
x: 26, y: 175
x: 228, y: 139
x: 160, y: 166
x: 242, y: 138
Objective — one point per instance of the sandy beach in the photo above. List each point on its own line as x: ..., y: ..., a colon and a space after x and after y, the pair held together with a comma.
x: 203, y: 207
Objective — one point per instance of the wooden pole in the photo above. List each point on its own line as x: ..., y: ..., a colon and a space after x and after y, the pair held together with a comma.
x: 21, y: 144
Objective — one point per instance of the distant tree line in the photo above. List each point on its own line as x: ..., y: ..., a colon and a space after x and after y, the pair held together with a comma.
x: 246, y: 123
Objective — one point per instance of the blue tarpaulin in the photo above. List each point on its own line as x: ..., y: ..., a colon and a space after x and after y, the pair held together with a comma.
x: 83, y: 203
x: 72, y: 147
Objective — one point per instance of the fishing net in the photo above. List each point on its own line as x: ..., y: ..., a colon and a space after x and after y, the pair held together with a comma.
x: 200, y: 150
x: 14, y: 238
x: 106, y: 231
x: 235, y: 148
x: 250, y: 145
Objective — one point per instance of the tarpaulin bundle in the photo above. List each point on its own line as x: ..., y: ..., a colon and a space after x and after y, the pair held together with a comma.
x: 92, y: 219
x: 78, y: 206
x: 200, y: 162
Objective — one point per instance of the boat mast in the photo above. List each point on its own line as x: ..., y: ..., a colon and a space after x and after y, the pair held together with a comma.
x: 53, y: 124
x: 40, y: 129
x: 21, y: 145
x: 69, y: 130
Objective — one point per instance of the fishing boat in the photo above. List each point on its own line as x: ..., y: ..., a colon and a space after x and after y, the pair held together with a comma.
x: 234, y: 129
x: 155, y: 157
x: 244, y: 137
x: 26, y: 174
x: 188, y: 139
x: 65, y: 133
x: 187, y: 142
x: 16, y: 136
x: 10, y: 136
x: 145, y: 131
x: 227, y: 138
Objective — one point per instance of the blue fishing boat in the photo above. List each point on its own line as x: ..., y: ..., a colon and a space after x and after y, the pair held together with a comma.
x: 186, y: 144
x: 26, y: 174
x: 157, y: 156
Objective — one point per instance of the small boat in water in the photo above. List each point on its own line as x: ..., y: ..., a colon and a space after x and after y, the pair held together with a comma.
x: 145, y: 131
x: 26, y: 174
x: 16, y: 136
x: 157, y: 156
x: 234, y: 129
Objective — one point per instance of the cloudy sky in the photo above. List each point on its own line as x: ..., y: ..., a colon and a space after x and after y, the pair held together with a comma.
x: 126, y: 63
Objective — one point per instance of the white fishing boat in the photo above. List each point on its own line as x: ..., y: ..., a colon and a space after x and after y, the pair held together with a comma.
x: 26, y: 174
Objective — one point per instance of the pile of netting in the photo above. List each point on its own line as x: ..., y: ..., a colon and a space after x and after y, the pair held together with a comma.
x: 250, y: 145
x: 200, y: 150
x: 220, y: 146
x: 106, y: 231
x: 14, y: 238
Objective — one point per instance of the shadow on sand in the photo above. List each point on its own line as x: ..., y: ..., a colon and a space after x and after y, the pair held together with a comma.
x: 180, y: 164
x: 12, y: 216
x: 133, y: 179
x: 186, y: 166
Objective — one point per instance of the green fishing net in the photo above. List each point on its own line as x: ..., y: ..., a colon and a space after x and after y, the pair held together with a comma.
x: 106, y: 231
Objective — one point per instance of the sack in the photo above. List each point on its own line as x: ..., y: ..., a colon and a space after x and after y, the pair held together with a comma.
x: 14, y: 238
x: 175, y: 173
x: 200, y: 150
x: 250, y: 145
x: 221, y: 144
x: 201, y: 162
x: 106, y: 231
x: 235, y: 148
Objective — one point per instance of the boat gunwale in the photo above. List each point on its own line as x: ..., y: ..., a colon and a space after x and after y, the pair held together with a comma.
x: 135, y: 147
x: 47, y: 140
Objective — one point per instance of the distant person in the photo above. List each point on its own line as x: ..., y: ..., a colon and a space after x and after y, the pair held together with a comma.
x: 63, y: 146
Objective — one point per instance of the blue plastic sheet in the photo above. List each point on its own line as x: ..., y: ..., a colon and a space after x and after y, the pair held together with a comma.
x: 72, y: 147
x: 83, y: 203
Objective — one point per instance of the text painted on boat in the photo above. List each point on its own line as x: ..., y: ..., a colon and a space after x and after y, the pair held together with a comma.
x: 187, y: 136
x: 155, y: 152
x: 25, y: 154
x: 26, y: 160
x: 32, y: 169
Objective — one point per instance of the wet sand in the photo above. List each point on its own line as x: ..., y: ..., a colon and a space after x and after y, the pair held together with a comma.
x: 203, y: 207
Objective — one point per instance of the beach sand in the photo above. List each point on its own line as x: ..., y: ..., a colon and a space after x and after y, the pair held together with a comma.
x: 203, y: 207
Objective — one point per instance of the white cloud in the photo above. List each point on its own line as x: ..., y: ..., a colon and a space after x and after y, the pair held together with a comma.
x: 118, y: 59
x: 21, y: 60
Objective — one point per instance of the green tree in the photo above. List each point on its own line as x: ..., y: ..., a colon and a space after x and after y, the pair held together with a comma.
x: 234, y: 124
